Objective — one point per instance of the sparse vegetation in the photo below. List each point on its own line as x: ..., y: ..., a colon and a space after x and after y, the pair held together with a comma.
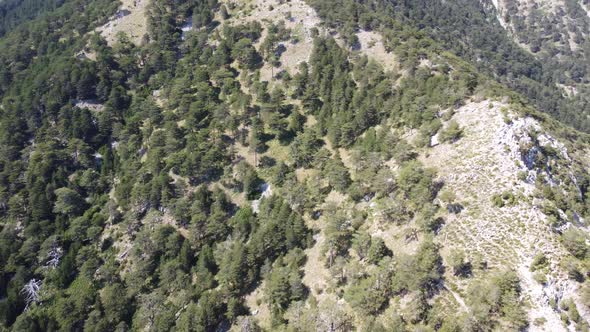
x: 539, y: 262
x: 504, y: 199
x: 575, y: 242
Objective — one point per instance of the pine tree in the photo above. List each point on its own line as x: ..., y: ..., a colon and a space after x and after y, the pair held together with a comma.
x: 337, y: 174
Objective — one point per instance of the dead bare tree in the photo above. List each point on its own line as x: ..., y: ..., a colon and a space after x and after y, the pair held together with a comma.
x: 54, y: 256
x: 31, y: 292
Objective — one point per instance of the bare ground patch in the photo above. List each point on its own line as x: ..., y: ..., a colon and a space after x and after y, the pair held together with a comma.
x: 372, y: 46
x: 131, y: 18
x: 486, y: 162
x: 298, y: 17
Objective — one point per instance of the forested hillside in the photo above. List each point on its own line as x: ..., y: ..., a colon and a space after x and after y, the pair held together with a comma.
x: 470, y: 29
x: 255, y: 165
x: 15, y: 12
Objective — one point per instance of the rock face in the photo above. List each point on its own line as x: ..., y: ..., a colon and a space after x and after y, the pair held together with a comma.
x: 186, y: 27
x: 266, y: 192
x: 455, y: 208
x: 91, y: 105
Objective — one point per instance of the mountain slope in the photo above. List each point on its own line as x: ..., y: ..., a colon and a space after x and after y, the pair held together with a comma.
x: 471, y: 30
x: 284, y: 165
x: 486, y: 163
x: 13, y: 13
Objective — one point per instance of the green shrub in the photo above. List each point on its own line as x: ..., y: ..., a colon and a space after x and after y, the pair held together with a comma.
x: 505, y: 199
x: 447, y: 196
x: 539, y: 262
x: 377, y: 250
x: 452, y: 133
x: 458, y: 263
x: 540, y: 277
x: 575, y: 242
x: 498, y: 201
x: 539, y: 321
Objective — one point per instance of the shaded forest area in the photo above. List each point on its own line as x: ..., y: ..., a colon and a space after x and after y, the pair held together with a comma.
x: 15, y: 12
x: 466, y: 29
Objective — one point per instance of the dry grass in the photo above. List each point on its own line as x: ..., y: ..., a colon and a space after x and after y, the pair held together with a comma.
x: 298, y: 17
x: 245, y: 153
x: 258, y: 308
x: 476, y: 167
x: 134, y: 24
x: 278, y: 151
x: 316, y: 276
x: 372, y: 46
x: 303, y: 174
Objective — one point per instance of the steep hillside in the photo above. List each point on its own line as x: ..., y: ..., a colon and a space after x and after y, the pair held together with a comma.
x: 320, y: 165
x: 551, y: 27
x: 471, y: 29
x: 502, y: 220
x: 13, y: 13
x: 557, y: 32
